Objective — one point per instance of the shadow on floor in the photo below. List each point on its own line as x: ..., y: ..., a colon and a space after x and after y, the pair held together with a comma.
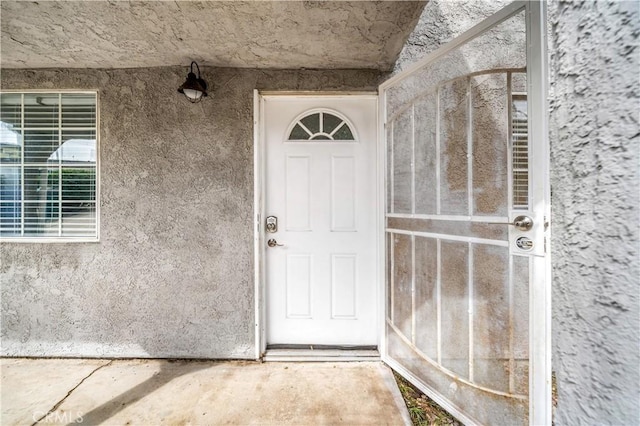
x: 168, y: 372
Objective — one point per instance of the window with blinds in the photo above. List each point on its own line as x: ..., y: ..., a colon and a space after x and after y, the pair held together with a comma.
x: 520, y: 151
x: 48, y: 166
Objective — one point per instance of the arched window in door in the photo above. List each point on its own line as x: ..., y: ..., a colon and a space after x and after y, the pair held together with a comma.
x: 321, y: 125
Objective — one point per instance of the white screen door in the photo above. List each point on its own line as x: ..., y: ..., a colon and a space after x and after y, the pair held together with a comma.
x: 320, y: 189
x: 467, y: 315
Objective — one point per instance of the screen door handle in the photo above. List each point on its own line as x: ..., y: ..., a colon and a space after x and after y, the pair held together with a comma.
x: 522, y: 223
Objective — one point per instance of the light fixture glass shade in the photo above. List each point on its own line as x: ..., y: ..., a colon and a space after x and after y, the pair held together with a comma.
x: 194, y: 88
x: 192, y: 94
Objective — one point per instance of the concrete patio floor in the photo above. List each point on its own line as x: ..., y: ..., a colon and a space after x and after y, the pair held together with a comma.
x: 162, y: 392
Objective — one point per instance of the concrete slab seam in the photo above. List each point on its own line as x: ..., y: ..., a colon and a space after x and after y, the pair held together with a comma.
x: 59, y: 403
x: 390, y: 382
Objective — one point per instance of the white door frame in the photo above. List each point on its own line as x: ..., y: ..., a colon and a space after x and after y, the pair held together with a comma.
x: 259, y: 193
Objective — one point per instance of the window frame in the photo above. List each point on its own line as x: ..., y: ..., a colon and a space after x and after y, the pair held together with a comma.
x: 60, y: 239
x: 346, y: 121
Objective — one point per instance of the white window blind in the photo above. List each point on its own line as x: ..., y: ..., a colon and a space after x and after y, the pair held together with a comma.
x: 48, y: 166
x: 520, y: 151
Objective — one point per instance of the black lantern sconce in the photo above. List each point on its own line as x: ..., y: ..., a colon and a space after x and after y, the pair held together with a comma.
x: 195, y: 88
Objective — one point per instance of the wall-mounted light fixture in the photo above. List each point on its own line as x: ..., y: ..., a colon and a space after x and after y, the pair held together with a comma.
x: 195, y: 88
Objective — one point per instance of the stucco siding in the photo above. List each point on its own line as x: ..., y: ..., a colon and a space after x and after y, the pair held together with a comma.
x: 442, y: 21
x: 595, y: 157
x: 172, y: 275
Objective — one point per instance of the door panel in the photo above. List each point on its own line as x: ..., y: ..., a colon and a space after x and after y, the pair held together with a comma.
x: 320, y: 184
x: 459, y: 172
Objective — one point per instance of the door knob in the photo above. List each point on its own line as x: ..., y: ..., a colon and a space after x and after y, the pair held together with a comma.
x: 522, y: 223
x: 273, y: 243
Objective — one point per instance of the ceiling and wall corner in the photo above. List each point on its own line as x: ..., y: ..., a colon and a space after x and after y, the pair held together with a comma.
x: 241, y: 34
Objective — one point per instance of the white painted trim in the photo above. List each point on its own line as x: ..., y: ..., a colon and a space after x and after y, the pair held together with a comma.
x: 445, y: 217
x: 448, y: 237
x: 98, y: 163
x: 259, y: 170
x: 413, y: 290
x: 439, y: 300
x: 540, y: 398
x: 319, y: 358
x: 413, y: 158
x: 381, y: 237
x: 257, y: 215
x: 438, y: 156
x: 306, y: 93
x: 52, y: 240
x: 321, y: 355
x: 471, y: 310
x: 29, y: 91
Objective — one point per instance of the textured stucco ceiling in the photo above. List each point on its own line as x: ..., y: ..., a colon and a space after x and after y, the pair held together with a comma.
x: 260, y: 34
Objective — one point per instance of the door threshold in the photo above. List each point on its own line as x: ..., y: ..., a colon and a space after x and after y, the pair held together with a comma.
x: 302, y: 353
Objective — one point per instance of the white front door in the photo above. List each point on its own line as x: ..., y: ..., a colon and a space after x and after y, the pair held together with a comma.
x: 320, y: 188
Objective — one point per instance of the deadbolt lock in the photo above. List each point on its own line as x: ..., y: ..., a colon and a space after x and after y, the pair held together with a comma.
x: 272, y: 224
x: 524, y: 243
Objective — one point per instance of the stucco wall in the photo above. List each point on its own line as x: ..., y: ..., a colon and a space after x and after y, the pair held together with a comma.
x: 173, y: 273
x: 440, y: 22
x: 595, y: 156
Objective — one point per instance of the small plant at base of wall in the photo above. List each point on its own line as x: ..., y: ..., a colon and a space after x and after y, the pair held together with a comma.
x: 422, y: 409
